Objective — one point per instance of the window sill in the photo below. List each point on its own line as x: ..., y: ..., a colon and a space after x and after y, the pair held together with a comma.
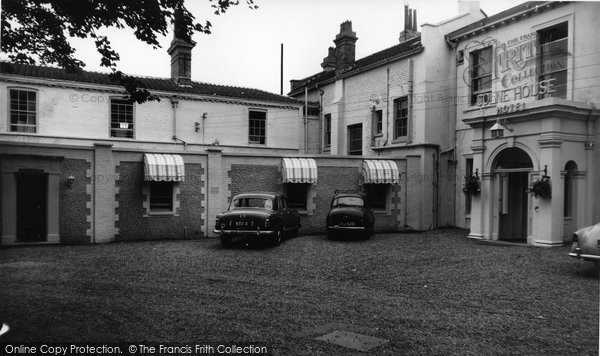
x: 159, y: 214
x: 377, y: 135
x: 402, y: 139
x: 122, y: 138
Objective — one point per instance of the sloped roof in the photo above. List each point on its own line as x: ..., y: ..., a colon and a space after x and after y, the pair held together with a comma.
x: 152, y: 84
x: 404, y: 49
x: 525, y: 9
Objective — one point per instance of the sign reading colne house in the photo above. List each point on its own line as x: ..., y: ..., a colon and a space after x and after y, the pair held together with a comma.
x: 520, y: 64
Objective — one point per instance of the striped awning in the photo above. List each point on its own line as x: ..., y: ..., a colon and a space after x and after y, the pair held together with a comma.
x: 163, y: 167
x: 299, y: 170
x: 380, y: 171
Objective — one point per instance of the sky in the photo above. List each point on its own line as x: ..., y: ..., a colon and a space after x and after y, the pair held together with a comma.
x: 244, y: 48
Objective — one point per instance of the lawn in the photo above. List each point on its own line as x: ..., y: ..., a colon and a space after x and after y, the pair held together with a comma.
x: 426, y: 293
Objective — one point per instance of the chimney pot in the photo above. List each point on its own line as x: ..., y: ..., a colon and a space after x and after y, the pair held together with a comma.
x: 410, y: 25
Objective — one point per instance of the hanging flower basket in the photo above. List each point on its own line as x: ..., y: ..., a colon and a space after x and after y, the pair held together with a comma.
x: 472, y: 186
x: 541, y: 188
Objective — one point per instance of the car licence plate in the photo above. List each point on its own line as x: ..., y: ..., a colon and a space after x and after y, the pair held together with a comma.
x: 347, y: 223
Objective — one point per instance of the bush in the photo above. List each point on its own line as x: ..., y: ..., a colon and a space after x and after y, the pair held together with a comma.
x: 541, y: 188
x: 472, y: 186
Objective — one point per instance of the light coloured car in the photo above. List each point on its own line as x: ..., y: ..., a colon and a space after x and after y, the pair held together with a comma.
x: 586, y: 244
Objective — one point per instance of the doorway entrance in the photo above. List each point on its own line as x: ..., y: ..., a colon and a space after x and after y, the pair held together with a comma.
x: 513, y: 211
x: 512, y: 169
x: 32, y: 186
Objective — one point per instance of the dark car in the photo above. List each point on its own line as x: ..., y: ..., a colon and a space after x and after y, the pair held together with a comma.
x: 350, y: 214
x: 586, y: 245
x: 264, y: 216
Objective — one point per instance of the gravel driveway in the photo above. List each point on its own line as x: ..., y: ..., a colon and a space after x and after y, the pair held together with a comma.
x: 420, y: 293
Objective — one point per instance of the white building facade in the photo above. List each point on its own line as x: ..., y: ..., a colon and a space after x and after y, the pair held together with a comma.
x: 527, y: 130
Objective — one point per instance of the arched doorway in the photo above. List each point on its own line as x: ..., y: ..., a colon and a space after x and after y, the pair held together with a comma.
x: 511, y: 168
x: 570, y: 191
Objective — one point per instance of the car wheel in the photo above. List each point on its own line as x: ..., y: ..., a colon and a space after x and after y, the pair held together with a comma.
x: 226, y: 241
x: 278, y: 237
x: 331, y: 235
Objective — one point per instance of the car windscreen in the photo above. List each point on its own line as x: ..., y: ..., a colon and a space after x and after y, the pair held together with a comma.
x: 347, y: 201
x: 252, y: 202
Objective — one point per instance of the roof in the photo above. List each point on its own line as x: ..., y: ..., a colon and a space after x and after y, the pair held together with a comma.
x: 410, y: 47
x: 347, y: 193
x: 258, y: 195
x: 152, y: 84
x: 525, y: 9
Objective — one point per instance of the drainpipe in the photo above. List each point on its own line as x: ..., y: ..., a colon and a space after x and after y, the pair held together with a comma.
x: 321, y: 126
x: 305, y: 120
x: 174, y: 104
x: 410, y: 102
x: 387, y: 107
x: 452, y: 133
x: 436, y: 190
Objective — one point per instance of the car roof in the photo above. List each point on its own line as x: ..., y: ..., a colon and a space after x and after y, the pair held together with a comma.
x: 257, y: 195
x: 358, y: 195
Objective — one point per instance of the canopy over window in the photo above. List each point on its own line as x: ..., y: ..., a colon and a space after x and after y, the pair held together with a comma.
x: 380, y: 171
x: 163, y: 167
x: 299, y: 170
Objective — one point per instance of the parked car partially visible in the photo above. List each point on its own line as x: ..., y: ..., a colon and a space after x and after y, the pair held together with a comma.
x: 586, y: 244
x: 350, y: 215
x: 263, y: 216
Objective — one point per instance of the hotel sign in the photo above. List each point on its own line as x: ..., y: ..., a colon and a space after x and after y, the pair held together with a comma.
x: 517, y: 67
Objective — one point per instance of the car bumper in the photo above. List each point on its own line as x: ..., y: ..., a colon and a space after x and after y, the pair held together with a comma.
x: 245, y: 232
x: 346, y: 228
x: 577, y: 254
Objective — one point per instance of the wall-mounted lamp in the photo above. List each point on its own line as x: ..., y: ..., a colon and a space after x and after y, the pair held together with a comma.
x: 70, y: 181
x: 498, y: 129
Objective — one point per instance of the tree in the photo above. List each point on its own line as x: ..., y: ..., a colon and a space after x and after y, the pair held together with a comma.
x: 37, y: 31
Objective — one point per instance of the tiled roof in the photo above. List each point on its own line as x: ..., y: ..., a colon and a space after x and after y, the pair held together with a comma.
x: 152, y: 84
x: 530, y: 6
x: 409, y: 47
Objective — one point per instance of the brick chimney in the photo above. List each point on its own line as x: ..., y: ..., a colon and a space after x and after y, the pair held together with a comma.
x: 329, y: 61
x: 181, y: 52
x: 410, y: 25
x: 345, y: 47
